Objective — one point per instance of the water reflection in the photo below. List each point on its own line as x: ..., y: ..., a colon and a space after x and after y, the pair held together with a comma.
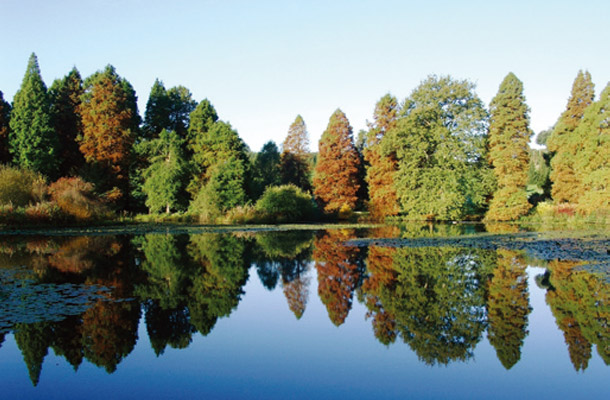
x: 440, y: 301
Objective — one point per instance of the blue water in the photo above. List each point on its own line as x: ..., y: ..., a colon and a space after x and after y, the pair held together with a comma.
x: 261, y: 350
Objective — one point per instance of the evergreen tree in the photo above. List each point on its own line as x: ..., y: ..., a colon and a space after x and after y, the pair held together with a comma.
x: 592, y: 162
x: 110, y: 125
x: 181, y: 105
x: 156, y: 116
x: 266, y: 169
x: 32, y: 140
x: 439, y: 144
x: 5, y: 114
x: 565, y: 143
x: 65, y: 102
x: 509, y: 135
x: 201, y: 120
x: 166, y: 177
x: 335, y: 180
x: 294, y: 164
x: 382, y: 167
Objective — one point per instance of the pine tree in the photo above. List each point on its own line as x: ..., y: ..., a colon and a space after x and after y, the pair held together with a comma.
x: 156, y: 116
x: 565, y: 143
x: 382, y: 167
x: 439, y: 143
x: 181, y: 105
x: 592, y: 161
x: 335, y: 180
x: 201, y: 120
x: 110, y: 124
x: 5, y: 114
x: 266, y: 169
x: 32, y: 139
x: 509, y: 135
x: 65, y: 102
x: 294, y: 164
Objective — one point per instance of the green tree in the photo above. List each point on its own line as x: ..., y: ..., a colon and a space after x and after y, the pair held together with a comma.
x: 266, y: 169
x: 565, y: 142
x: 156, y: 116
x: 538, y: 182
x: 34, y: 340
x: 5, y: 115
x: 508, y: 307
x: 509, y: 135
x: 167, y: 176
x: 439, y: 144
x: 65, y: 103
x: 201, y: 120
x: 381, y: 167
x: 592, y: 163
x: 181, y: 105
x: 110, y: 125
x: 32, y: 139
x: 335, y: 180
x: 294, y: 163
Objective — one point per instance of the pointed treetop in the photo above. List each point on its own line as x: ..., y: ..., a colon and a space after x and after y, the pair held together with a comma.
x: 297, y: 140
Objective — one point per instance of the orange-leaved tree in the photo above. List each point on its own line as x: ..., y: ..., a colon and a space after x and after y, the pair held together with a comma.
x: 110, y: 122
x: 335, y: 180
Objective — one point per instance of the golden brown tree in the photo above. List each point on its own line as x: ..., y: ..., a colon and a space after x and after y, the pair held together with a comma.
x: 338, y: 272
x: 110, y: 120
x: 335, y: 180
x: 565, y: 143
x: 294, y: 160
x: 508, y: 307
x: 382, y: 167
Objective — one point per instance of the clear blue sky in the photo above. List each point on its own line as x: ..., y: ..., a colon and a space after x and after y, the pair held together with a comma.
x: 263, y: 62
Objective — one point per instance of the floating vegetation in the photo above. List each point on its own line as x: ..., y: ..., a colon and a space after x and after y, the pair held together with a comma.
x: 23, y: 300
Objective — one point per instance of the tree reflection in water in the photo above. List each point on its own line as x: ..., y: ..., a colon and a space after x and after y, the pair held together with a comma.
x: 438, y: 300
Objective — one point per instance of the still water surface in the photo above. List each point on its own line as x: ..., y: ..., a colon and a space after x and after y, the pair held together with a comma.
x: 297, y: 314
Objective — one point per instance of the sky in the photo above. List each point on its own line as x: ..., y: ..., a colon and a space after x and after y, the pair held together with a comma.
x: 262, y: 63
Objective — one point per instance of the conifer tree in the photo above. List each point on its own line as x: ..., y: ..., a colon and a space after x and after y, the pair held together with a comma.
x: 592, y: 161
x: 181, y: 105
x: 5, y: 114
x: 565, y: 143
x: 509, y: 135
x: 110, y: 124
x: 382, y: 167
x: 439, y: 144
x: 32, y: 140
x: 166, y: 177
x: 156, y: 116
x: 335, y: 180
x: 266, y: 169
x: 65, y: 103
x: 201, y: 120
x: 294, y: 164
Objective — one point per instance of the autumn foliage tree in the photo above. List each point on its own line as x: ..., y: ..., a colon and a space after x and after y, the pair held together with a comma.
x: 382, y: 167
x: 509, y: 135
x: 294, y: 163
x: 110, y: 122
x: 335, y: 180
x: 565, y: 141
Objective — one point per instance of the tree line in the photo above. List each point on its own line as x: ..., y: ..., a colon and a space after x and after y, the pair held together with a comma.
x: 439, y: 154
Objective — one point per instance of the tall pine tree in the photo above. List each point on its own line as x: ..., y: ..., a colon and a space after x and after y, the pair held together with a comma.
x: 5, y: 115
x: 110, y: 124
x: 156, y: 116
x: 335, y: 182
x: 294, y: 162
x: 381, y: 167
x: 592, y: 163
x: 65, y: 103
x: 509, y: 135
x: 565, y: 143
x: 32, y: 139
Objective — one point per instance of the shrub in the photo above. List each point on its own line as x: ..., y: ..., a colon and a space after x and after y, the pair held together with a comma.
x: 286, y: 203
x: 45, y: 211
x: 75, y: 197
x: 21, y: 187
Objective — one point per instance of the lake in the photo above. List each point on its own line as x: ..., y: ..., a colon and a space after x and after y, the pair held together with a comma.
x: 406, y: 311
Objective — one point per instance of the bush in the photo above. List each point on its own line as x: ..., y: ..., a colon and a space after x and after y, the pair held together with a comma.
x: 21, y: 187
x: 286, y: 203
x: 75, y: 197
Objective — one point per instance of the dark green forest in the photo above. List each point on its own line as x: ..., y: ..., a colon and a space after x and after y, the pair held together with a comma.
x: 79, y: 151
